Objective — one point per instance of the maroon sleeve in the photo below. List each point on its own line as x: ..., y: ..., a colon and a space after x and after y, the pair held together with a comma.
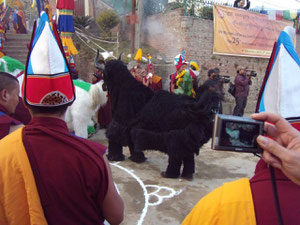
x: 22, y: 114
x: 5, y: 123
x: 241, y: 81
x: 4, y: 129
x: 103, y: 184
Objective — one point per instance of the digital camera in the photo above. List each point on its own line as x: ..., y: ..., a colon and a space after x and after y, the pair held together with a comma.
x: 252, y: 73
x: 238, y: 134
x: 223, y: 78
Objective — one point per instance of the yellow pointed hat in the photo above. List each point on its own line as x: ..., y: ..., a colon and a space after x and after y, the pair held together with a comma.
x: 139, y: 54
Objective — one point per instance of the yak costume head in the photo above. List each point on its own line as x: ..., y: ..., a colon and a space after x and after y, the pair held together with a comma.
x: 111, y: 71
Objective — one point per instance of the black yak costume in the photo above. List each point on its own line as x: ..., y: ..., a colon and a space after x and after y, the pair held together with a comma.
x: 177, y: 125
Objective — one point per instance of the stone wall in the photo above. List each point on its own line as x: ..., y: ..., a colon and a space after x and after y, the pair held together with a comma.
x: 171, y: 33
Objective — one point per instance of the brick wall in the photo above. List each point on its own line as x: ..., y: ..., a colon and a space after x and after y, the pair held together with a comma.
x: 172, y: 33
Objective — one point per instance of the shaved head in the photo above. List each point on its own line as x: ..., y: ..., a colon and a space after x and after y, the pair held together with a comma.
x: 7, y: 81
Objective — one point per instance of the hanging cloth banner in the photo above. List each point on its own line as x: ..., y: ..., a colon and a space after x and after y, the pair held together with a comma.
x: 66, y: 39
x: 65, y: 4
x: 244, y: 33
x: 65, y: 21
x: 66, y: 26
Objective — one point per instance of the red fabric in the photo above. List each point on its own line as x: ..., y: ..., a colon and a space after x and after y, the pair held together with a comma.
x: 156, y: 86
x: 65, y: 4
x: 180, y: 63
x: 22, y: 114
x: 69, y: 171
x: 63, y: 84
x: 192, y: 74
x: 296, y: 125
x: 5, y: 122
x: 173, y: 78
x: 150, y: 67
x: 264, y: 203
x: 104, y: 114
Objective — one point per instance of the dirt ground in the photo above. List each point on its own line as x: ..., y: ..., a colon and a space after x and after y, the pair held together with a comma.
x: 152, y: 200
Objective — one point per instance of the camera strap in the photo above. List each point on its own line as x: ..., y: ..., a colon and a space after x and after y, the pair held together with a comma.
x: 275, y: 194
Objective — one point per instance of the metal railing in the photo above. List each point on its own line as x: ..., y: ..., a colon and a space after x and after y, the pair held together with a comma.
x: 92, y: 42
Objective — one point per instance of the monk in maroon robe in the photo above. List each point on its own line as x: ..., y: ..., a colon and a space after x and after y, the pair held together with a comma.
x: 71, y: 174
x: 9, y: 99
x: 152, y: 80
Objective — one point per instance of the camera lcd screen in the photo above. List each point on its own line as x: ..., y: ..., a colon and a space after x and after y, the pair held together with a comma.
x: 234, y: 133
x: 239, y: 134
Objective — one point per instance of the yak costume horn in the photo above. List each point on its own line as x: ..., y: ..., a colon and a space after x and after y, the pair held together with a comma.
x: 99, y: 66
x: 120, y: 56
x: 47, y: 80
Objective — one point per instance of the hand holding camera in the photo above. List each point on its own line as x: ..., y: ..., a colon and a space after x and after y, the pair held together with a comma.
x: 282, y: 149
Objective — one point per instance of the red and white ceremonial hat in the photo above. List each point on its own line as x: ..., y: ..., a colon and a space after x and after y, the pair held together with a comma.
x: 47, y: 78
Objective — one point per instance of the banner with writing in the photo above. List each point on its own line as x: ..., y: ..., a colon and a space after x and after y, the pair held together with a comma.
x: 244, y: 33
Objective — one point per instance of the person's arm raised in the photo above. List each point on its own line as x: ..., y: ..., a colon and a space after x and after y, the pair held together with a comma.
x: 282, y: 149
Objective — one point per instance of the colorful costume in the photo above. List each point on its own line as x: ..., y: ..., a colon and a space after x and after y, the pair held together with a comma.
x: 19, y: 19
x: 182, y: 81
x: 156, y: 81
x: 138, y: 71
x: 47, y: 174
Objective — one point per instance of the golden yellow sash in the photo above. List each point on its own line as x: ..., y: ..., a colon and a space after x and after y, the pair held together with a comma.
x: 230, y: 204
x: 19, y: 199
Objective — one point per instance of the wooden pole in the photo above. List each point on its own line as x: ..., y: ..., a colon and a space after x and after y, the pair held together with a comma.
x: 124, y: 16
x: 132, y: 25
x: 138, y: 32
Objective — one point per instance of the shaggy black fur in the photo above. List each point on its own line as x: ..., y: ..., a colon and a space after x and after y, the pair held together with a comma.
x: 174, y: 124
x: 127, y: 97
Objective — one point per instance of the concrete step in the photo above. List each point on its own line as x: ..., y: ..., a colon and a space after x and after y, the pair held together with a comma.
x: 17, y: 49
x: 18, y: 37
x: 16, y: 46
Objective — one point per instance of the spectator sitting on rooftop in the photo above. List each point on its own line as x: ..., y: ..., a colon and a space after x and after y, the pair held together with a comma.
x: 241, y: 3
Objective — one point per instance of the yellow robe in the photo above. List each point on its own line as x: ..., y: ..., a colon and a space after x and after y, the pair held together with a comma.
x: 230, y: 204
x: 19, y: 199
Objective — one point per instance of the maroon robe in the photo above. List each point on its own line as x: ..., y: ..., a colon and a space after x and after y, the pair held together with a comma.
x: 22, y: 114
x: 70, y: 172
x: 263, y: 199
x: 5, y: 122
x: 104, y: 114
x: 156, y: 86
